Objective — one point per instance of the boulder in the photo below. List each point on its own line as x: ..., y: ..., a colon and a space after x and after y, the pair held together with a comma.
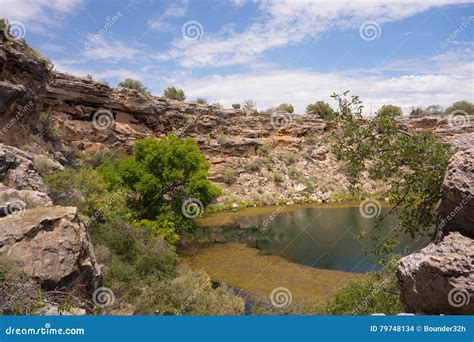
x: 439, y: 279
x: 456, y: 211
x: 53, y: 247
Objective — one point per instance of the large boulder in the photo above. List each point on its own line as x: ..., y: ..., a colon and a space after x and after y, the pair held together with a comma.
x: 53, y: 247
x: 456, y: 212
x: 439, y: 279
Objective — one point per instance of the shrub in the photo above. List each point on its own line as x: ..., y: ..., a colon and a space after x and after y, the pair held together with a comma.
x: 321, y: 108
x: 45, y: 127
x: 134, y: 84
x: 294, y: 172
x: 236, y: 105
x: 221, y: 138
x: 254, y: 166
x: 201, y: 100
x: 249, y: 105
x: 464, y: 105
x: 173, y: 93
x: 264, y: 150
x: 286, y: 107
x: 229, y: 175
x: 289, y: 158
x: 434, y: 110
x: 276, y: 176
x: 390, y: 110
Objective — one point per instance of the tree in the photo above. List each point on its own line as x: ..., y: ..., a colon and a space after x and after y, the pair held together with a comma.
x: 464, y: 105
x: 411, y: 164
x: 174, y: 94
x: 390, y: 111
x: 321, y: 108
x: 417, y: 112
x: 434, y: 110
x: 286, y: 107
x: 236, y: 105
x: 201, y: 100
x: 249, y: 105
x: 134, y: 84
x: 161, y: 174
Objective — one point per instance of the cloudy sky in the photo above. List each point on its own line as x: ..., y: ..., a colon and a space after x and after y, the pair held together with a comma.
x: 409, y: 53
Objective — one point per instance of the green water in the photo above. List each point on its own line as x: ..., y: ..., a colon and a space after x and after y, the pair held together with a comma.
x: 318, y: 237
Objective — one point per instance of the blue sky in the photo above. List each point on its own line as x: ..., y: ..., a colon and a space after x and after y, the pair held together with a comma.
x: 409, y: 53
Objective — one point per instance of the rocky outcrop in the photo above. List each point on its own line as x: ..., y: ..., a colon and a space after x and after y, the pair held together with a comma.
x: 49, y: 243
x: 456, y: 212
x: 439, y: 279
x: 52, y: 246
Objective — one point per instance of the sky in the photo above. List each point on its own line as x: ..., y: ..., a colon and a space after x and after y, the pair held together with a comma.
x: 406, y: 53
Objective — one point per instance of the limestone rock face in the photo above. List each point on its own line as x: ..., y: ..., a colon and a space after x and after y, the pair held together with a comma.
x: 439, y: 279
x: 52, y: 246
x: 456, y: 212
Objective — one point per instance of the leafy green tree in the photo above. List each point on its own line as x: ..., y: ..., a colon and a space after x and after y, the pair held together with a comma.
x: 464, y: 105
x: 286, y: 107
x: 321, y: 108
x: 173, y: 93
x: 417, y: 112
x: 434, y: 110
x: 236, y: 105
x: 390, y: 111
x: 134, y: 84
x: 201, y: 100
x: 411, y: 164
x: 161, y: 174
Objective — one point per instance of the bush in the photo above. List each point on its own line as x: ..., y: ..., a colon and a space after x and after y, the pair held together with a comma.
x: 294, y: 172
x: 249, y: 105
x: 221, y: 138
x: 264, y: 150
x: 289, y: 158
x: 286, y: 107
x: 229, y: 174
x: 390, y: 110
x: 173, y: 93
x: 134, y: 84
x: 236, y: 105
x: 321, y: 108
x: 277, y: 176
x: 254, y: 166
x: 464, y: 105
x: 201, y: 100
x: 45, y: 127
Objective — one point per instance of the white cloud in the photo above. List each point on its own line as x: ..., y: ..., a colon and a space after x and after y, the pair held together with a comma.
x: 288, y: 22
x: 175, y: 10
x: 39, y: 16
x: 301, y: 87
x: 112, y: 50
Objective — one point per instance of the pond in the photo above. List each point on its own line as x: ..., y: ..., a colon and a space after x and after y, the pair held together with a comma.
x: 319, y: 236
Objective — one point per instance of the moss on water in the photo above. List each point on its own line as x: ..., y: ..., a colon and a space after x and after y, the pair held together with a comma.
x: 257, y: 275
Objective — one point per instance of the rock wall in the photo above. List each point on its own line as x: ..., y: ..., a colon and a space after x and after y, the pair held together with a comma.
x: 439, y: 279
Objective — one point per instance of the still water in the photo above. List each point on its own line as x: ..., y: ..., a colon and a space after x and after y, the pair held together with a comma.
x: 318, y: 237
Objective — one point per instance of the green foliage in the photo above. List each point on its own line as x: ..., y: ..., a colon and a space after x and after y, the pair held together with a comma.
x: 434, y: 110
x: 412, y: 164
x: 222, y: 138
x: 321, y: 108
x: 236, y: 105
x: 173, y: 93
x: 277, y: 176
x: 264, y: 150
x: 45, y: 126
x: 390, y: 111
x: 377, y: 294
x: 254, y: 165
x: 229, y: 174
x: 201, y: 100
x: 464, y: 105
x: 286, y: 107
x: 161, y: 174
x: 134, y: 84
x: 289, y: 158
